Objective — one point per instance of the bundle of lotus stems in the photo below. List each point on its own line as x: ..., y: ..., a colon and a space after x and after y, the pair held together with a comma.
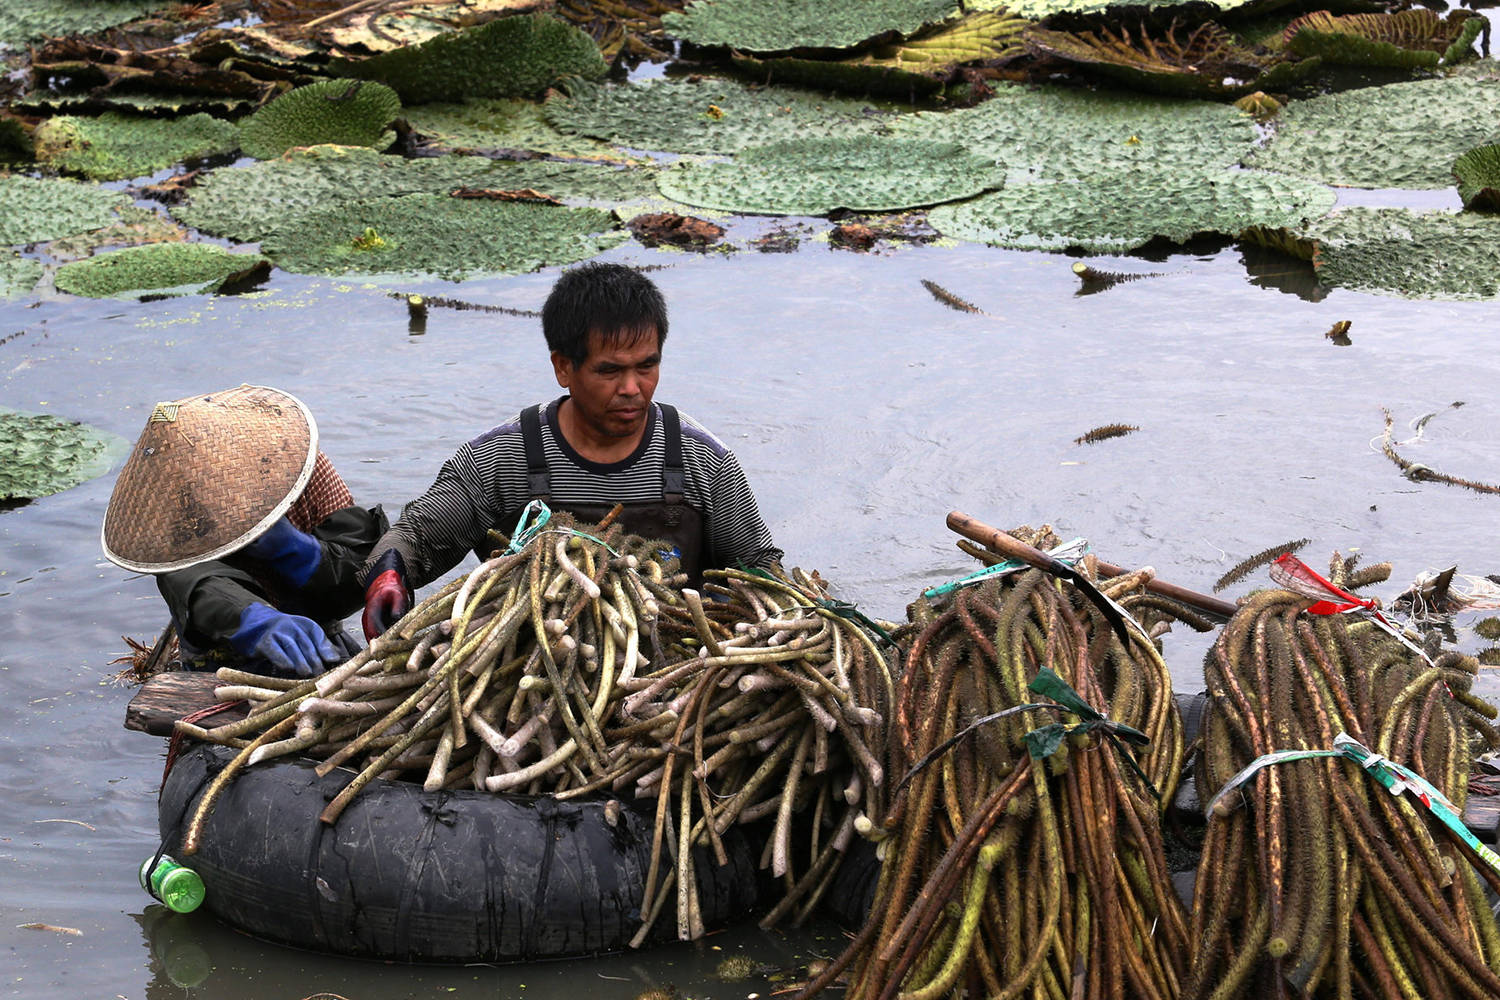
x: 1315, y: 881
x: 577, y: 664
x: 1024, y: 854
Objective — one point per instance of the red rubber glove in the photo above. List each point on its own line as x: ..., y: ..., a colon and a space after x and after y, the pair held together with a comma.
x: 387, y: 597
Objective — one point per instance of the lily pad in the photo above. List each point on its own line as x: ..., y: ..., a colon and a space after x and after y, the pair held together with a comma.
x: 134, y: 227
x: 1402, y: 135
x: 441, y: 235
x: 1038, y: 10
x: 52, y: 102
x: 706, y: 115
x: 1405, y: 39
x: 504, y: 123
x: 816, y: 176
x: 1478, y: 175
x: 246, y: 203
x: 414, y: 23
x: 18, y: 275
x: 1057, y: 133
x: 778, y: 25
x: 23, y: 21
x: 116, y: 146
x: 41, y: 454
x: 1396, y: 251
x: 16, y: 143
x: 189, y: 267
x: 1121, y: 210
x: 339, y: 112
x: 36, y: 209
x: 507, y: 57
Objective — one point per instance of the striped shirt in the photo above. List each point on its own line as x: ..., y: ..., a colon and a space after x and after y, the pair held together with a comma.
x: 484, y: 485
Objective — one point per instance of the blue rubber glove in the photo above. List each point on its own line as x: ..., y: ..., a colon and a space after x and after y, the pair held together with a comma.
x: 292, y: 644
x: 387, y: 597
x: 293, y: 554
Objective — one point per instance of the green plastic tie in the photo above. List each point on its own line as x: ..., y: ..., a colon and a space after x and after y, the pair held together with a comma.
x: 1043, y: 742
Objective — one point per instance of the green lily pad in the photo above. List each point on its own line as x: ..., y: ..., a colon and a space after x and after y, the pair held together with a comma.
x: 36, y: 209
x: 1405, y: 39
x: 246, y: 203
x: 1478, y: 175
x: 52, y: 102
x: 816, y: 176
x: 1396, y: 251
x: 23, y: 21
x: 778, y: 25
x: 504, y: 123
x: 185, y: 267
x: 1402, y: 135
x: 134, y: 227
x: 18, y: 275
x: 1121, y: 210
x: 507, y: 57
x: 41, y: 454
x: 441, y: 235
x: 1057, y: 133
x: 706, y: 115
x: 116, y: 146
x: 340, y: 112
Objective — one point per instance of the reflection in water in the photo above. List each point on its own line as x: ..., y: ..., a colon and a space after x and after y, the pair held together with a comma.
x: 179, y: 960
x: 1269, y: 269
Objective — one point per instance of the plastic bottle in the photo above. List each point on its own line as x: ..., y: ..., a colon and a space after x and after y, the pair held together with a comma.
x: 178, y: 887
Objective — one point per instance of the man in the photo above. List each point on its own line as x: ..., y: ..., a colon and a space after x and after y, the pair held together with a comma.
x: 604, y: 442
x: 253, y: 538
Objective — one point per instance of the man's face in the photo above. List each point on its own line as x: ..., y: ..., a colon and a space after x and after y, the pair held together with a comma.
x: 612, y: 388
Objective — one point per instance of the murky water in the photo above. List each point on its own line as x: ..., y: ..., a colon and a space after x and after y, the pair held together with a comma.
x: 863, y: 410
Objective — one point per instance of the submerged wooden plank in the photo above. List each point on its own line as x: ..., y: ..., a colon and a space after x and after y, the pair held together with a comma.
x: 166, y: 697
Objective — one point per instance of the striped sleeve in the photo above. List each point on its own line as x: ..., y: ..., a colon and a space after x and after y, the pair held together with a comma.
x: 737, y: 534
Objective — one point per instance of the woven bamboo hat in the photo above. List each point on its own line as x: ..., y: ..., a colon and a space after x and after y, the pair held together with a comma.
x: 208, y: 475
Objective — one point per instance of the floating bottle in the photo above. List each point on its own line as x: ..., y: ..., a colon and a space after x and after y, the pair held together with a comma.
x: 178, y: 887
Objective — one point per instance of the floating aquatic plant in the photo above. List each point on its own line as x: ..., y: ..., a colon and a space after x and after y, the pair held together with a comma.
x: 438, y: 234
x: 1402, y: 135
x: 1478, y: 176
x: 184, y: 267
x: 1415, y: 254
x: 1093, y: 279
x: 115, y: 146
x: 504, y: 123
x: 1118, y: 211
x: 23, y: 21
x: 97, y: 101
x: 779, y: 25
x: 341, y: 112
x: 1419, y: 473
x: 816, y: 176
x: 1406, y: 39
x: 508, y: 57
x: 1040, y: 10
x: 135, y: 226
x: 1104, y: 433
x: 705, y: 115
x: 16, y: 143
x: 18, y: 275
x: 1061, y: 132
x: 42, y: 454
x: 948, y: 299
x: 1246, y: 566
x: 36, y: 209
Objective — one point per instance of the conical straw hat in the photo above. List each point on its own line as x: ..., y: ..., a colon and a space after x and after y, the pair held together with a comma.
x: 208, y: 475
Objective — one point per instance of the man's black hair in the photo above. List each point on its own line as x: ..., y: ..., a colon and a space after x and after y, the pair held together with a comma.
x: 619, y: 302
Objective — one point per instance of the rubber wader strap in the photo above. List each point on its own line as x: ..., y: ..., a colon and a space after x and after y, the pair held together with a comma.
x: 673, y: 473
x: 538, y: 479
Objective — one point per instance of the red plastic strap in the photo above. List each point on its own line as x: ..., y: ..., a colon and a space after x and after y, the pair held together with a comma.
x: 174, y: 745
x: 1300, y: 578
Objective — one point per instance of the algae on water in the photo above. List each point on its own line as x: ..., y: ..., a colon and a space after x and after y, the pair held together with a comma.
x: 338, y: 112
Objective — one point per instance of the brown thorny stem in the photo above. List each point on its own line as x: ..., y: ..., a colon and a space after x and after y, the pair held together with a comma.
x: 579, y: 666
x: 1006, y: 876
x: 1314, y: 881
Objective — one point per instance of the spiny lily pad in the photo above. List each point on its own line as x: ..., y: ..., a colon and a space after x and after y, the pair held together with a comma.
x: 23, y: 21
x: 1055, y: 132
x: 18, y: 275
x: 508, y: 57
x: 1412, y: 254
x: 1478, y: 175
x: 503, y: 123
x: 41, y: 454
x: 340, y: 112
x: 246, y: 203
x: 816, y: 176
x: 52, y: 102
x: 188, y: 267
x: 1406, y: 39
x: 706, y: 115
x: 411, y: 24
x: 1404, y: 135
x: 1118, y: 211
x: 437, y: 234
x: 134, y: 227
x: 1201, y: 61
x: 778, y: 25
x: 36, y: 209
x: 116, y: 146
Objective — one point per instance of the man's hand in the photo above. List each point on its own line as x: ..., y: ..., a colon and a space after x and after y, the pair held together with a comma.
x: 293, y: 554
x: 387, y: 597
x: 292, y: 644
